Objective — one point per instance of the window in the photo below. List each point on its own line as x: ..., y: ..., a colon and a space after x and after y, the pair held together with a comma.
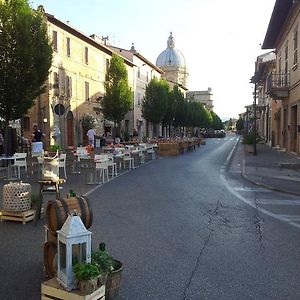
x: 56, y: 83
x: 139, y: 72
x: 26, y: 123
x: 54, y: 40
x: 87, y: 90
x: 147, y: 76
x: 139, y: 99
x: 286, y: 63
x: 86, y: 55
x: 68, y: 47
x: 68, y: 86
x: 295, y: 46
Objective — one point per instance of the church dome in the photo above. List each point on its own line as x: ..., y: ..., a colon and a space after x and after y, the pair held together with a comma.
x: 171, y: 57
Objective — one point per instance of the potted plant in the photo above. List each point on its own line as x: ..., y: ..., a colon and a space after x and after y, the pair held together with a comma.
x: 112, y: 266
x: 248, y: 141
x: 89, y: 276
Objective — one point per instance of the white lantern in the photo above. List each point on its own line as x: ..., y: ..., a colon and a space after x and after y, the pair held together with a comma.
x: 50, y: 168
x: 73, y: 246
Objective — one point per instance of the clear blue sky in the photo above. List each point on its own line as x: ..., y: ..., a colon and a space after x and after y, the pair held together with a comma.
x: 219, y: 39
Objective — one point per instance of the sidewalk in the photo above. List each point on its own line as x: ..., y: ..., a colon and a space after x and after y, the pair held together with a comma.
x: 271, y: 169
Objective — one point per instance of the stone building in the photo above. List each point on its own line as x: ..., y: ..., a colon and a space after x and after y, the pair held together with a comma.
x: 143, y: 71
x: 173, y: 63
x: 75, y: 86
x: 203, y: 97
x: 283, y: 84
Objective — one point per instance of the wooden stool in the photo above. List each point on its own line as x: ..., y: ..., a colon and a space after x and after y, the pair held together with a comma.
x: 44, y: 184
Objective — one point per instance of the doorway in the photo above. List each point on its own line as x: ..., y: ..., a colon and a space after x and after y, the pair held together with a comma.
x: 293, y: 129
x: 70, y: 129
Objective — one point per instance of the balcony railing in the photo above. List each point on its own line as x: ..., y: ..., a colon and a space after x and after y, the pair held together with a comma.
x: 278, y: 85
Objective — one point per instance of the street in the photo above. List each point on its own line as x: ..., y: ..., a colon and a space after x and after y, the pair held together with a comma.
x: 186, y: 227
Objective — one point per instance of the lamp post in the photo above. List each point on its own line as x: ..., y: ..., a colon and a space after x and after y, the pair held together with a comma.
x: 254, y: 80
x: 254, y: 121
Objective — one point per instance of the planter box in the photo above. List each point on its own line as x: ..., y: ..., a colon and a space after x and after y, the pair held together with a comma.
x: 249, y: 148
x: 51, y: 289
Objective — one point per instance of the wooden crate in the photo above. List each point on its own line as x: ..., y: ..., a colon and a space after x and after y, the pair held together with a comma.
x: 23, y: 217
x: 51, y: 289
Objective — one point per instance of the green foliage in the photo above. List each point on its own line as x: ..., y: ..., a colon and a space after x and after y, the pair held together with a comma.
x: 216, y: 122
x: 118, y: 95
x: 104, y: 261
x: 85, y: 271
x: 25, y: 57
x: 249, y: 139
x: 54, y: 148
x: 239, y: 124
x: 154, y: 104
x: 88, y: 121
x: 171, y: 105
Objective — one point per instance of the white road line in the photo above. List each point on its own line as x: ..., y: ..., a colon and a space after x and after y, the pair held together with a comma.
x: 278, y: 202
x: 282, y: 218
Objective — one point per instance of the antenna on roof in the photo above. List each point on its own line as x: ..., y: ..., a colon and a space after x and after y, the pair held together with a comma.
x: 105, y: 39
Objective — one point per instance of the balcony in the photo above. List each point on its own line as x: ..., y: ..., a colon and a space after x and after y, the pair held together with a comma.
x: 278, y: 85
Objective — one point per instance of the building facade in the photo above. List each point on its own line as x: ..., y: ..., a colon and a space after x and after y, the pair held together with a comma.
x: 203, y: 97
x: 143, y: 72
x: 283, y: 83
x: 173, y: 63
x: 75, y: 86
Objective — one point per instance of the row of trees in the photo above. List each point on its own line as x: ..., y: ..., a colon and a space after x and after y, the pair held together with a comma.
x: 169, y: 108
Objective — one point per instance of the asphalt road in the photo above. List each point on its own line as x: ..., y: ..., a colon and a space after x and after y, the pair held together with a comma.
x: 185, y: 227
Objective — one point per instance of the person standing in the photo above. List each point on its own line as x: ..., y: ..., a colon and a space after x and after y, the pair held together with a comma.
x: 36, y: 134
x: 91, y: 134
x: 37, y: 143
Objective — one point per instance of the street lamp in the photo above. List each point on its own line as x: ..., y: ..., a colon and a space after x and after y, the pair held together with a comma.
x: 254, y: 80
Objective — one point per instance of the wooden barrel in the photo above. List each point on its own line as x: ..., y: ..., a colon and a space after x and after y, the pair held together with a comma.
x: 113, y: 281
x: 50, y: 259
x: 58, y: 210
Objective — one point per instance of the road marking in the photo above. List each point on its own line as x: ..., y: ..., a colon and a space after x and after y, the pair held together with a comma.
x: 278, y: 202
x: 282, y: 218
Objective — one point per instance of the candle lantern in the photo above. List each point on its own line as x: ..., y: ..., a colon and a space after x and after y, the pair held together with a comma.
x: 50, y: 168
x: 73, y: 246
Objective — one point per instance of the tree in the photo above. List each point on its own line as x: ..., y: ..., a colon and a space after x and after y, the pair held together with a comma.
x: 154, y: 104
x: 239, y: 125
x: 25, y: 58
x: 171, y: 105
x: 216, y: 122
x: 118, y: 96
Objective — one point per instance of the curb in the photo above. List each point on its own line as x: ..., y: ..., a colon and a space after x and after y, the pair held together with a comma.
x: 263, y: 185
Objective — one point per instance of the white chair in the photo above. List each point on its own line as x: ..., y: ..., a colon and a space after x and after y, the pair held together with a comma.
x: 127, y: 158
x: 142, y: 157
x: 62, y: 163
x: 112, y: 164
x: 102, y: 166
x: 19, y: 162
x: 151, y: 152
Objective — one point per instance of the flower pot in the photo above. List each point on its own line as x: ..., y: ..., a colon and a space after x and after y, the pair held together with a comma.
x: 113, y: 280
x: 249, y: 148
x: 87, y: 287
